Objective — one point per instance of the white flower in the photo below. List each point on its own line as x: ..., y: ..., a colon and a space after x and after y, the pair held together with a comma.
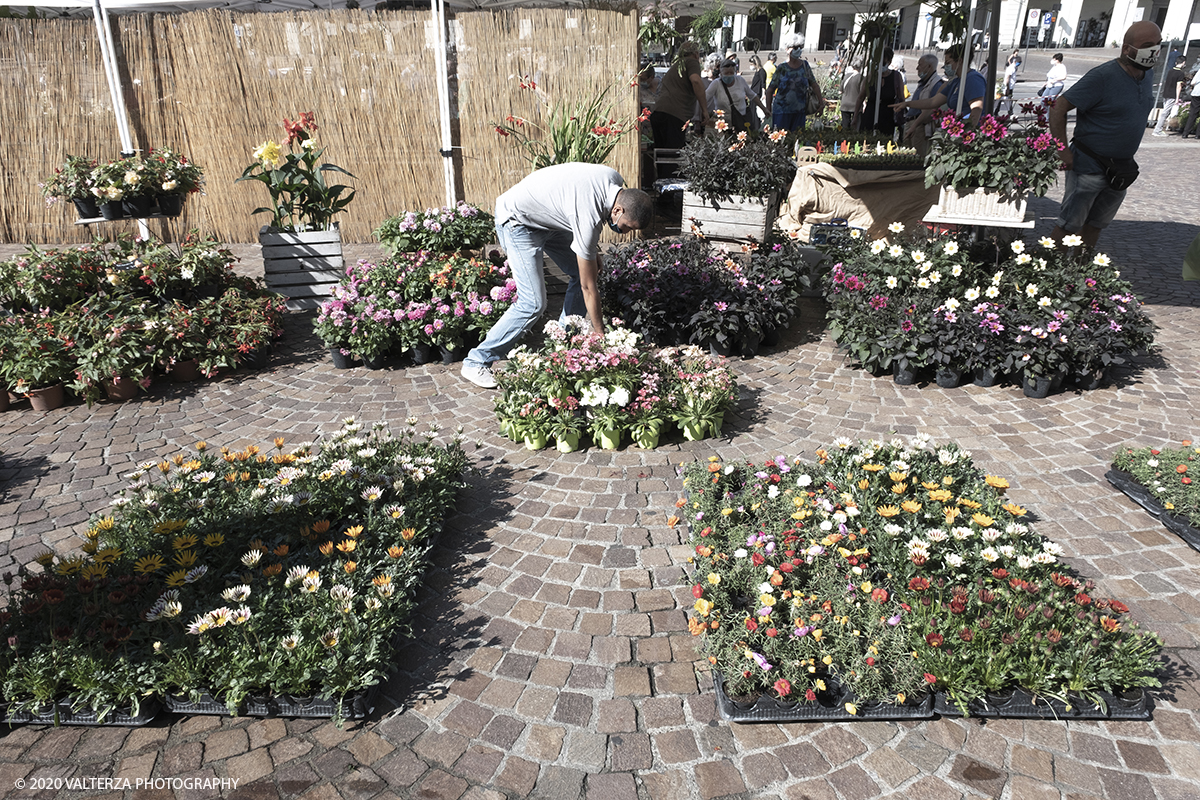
x: 992, y: 291
x: 1152, y: 462
x: 619, y: 397
x: 729, y: 468
x: 765, y: 588
x: 895, y: 251
x: 954, y: 560
x: 972, y: 294
x: 169, y: 185
x: 896, y: 227
x: 1024, y: 561
x: 956, y: 270
x: 918, y: 256
x: 252, y: 558
x: 826, y: 525
x: 804, y: 480
x: 990, y: 535
x: 855, y: 233
x: 842, y: 442
x: 1072, y: 240
x: 1046, y: 242
x: 936, y: 535
x: 1053, y: 548
x: 739, y: 553
x: 960, y: 533
x: 892, y: 529
x: 773, y: 491
x: 997, y: 277
x: 891, y: 281
x: 1044, y: 558
x: 988, y: 554
x: 878, y: 246
x: 1101, y: 260
x: 952, y: 303
x: 1018, y: 246
x: 923, y: 283
x: 1008, y: 551
x: 950, y: 248
x: 1024, y: 258
x: 1043, y: 302
x: 935, y: 277
x: 236, y: 594
x: 594, y: 395
x: 1031, y: 290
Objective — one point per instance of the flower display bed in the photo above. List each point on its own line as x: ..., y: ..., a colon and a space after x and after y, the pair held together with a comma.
x: 683, y: 291
x: 117, y: 313
x: 609, y: 386
x: 885, y: 572
x: 1160, y: 481
x: 830, y: 706
x: 261, y: 578
x: 62, y: 713
x: 413, y: 302
x: 1043, y: 316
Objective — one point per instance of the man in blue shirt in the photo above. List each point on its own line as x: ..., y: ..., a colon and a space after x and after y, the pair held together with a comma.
x: 1113, y: 101
x: 947, y: 95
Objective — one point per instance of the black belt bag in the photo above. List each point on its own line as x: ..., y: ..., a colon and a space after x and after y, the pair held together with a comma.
x: 1121, y: 172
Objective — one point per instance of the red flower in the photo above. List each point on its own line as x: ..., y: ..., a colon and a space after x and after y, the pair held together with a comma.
x: 771, y: 632
x: 751, y: 625
x: 870, y: 661
x: 501, y: 131
x: 758, y: 559
x: 1082, y: 599
x: 879, y: 595
x: 786, y: 567
x: 934, y: 639
x: 1182, y: 468
x: 1185, y: 480
x: 1118, y: 606
x: 783, y: 687
x: 698, y: 591
x: 930, y: 679
x: 966, y: 635
x: 918, y: 584
x: 810, y: 695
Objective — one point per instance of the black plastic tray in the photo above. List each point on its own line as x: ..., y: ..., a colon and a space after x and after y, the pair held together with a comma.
x: 1022, y: 704
x: 1141, y: 495
x: 181, y: 704
x: 60, y: 713
x: 768, y: 709
x: 355, y: 706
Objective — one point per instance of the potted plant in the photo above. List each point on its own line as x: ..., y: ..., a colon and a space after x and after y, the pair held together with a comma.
x: 114, y: 351
x: 302, y: 245
x: 988, y: 172
x: 447, y: 230
x: 35, y: 361
x: 129, y: 179
x: 744, y: 174
x: 74, y: 181
x: 175, y: 177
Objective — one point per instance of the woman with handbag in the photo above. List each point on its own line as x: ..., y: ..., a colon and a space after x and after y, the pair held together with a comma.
x: 793, y: 92
x: 1056, y: 78
x: 731, y: 95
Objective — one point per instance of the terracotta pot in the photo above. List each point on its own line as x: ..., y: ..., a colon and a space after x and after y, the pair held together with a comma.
x: 185, y: 371
x: 122, y: 391
x: 47, y: 399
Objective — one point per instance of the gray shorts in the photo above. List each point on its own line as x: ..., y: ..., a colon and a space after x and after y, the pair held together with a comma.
x: 1087, y: 200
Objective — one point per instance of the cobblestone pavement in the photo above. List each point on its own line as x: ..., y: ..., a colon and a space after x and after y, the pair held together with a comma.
x: 551, y: 657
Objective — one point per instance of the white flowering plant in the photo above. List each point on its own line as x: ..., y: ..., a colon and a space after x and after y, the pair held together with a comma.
x: 250, y: 572
x: 884, y: 568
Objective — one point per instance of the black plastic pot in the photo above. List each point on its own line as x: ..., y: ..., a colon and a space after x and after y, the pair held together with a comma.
x: 904, y: 376
x: 340, y: 359
x: 948, y: 378
x: 829, y: 706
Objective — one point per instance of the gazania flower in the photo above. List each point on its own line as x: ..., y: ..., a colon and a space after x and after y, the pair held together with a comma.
x: 177, y: 578
x: 395, y: 552
x: 236, y: 594
x: 185, y: 542
x: 214, y: 540
x: 147, y: 564
x: 887, y: 511
x: 330, y: 638
x: 290, y: 642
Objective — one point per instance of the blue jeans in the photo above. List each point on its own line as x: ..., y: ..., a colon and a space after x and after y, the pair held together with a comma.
x: 1087, y: 200
x: 525, y: 248
x: 788, y: 121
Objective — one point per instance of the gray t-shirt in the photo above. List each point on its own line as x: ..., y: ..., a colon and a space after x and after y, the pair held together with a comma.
x: 565, y: 197
x: 1111, y: 113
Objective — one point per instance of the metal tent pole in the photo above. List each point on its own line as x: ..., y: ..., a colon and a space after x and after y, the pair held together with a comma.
x: 443, y: 85
x: 966, y: 62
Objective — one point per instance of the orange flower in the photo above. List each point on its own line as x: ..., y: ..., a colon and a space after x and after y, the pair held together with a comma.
x: 672, y: 521
x: 680, y: 503
x: 320, y: 526
x: 273, y: 569
x: 326, y: 548
x: 395, y: 552
x: 1182, y: 468
x: 349, y: 566
x: 408, y: 533
x: 355, y: 531
x: 1109, y: 624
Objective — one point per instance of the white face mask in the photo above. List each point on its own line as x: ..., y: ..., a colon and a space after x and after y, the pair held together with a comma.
x: 1147, y: 57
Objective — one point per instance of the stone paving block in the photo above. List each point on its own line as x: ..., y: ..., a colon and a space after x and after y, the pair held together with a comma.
x: 676, y: 746
x: 250, y: 767
x: 930, y: 788
x: 503, y: 730
x: 333, y: 764
x: 265, y: 731
x: 135, y: 768
x: 224, y: 744
x: 537, y: 702
x: 55, y: 744
x: 718, y: 778
x: 551, y: 672
x: 518, y: 776
x: 611, y: 786
x: 889, y: 767
x: 617, y: 716
x: 479, y: 763
x: 555, y: 783
x: 674, y: 679
x: 802, y: 760
x: 612, y: 649
x: 587, y: 676
x: 979, y: 777
x: 1143, y: 758
x: 467, y: 718
x: 670, y: 785
x: 544, y: 742
x: 182, y: 758
x: 573, y: 709
x: 1126, y: 785
x: 586, y: 750
x: 401, y: 768
x: 852, y: 781
x: 629, y: 751
x: 440, y: 748
x: 288, y: 749
x: 100, y: 743
x: 441, y: 785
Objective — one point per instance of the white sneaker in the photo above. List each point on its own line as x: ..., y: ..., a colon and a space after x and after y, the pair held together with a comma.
x: 1159, y: 133
x: 480, y: 376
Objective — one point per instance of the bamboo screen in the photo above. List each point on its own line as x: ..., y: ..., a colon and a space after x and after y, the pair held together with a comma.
x: 570, y: 55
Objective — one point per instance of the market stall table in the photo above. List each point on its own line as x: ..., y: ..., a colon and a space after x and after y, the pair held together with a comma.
x: 869, y: 199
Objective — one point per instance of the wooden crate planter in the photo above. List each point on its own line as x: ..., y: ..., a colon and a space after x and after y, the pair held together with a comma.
x: 303, y: 267
x: 980, y: 204
x: 740, y: 218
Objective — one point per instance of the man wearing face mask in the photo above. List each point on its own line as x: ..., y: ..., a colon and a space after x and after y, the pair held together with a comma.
x: 731, y: 95
x: 918, y: 125
x: 557, y: 211
x: 1112, y: 102
x: 947, y: 95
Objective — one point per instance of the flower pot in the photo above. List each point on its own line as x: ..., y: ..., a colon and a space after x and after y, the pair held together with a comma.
x: 771, y: 337
x: 1089, y: 381
x: 567, y: 442
x: 647, y: 440
x: 112, y: 210
x: 303, y: 266
x: 905, y: 376
x: 738, y: 217
x: 121, y: 390
x: 985, y: 376
x: 86, y: 207
x: 978, y: 204
x: 46, y: 399
x: 258, y: 358
x: 374, y: 361
x: 451, y: 355
x: 608, y: 439
x: 535, y: 441
x: 748, y: 347
x: 340, y: 359
x: 949, y: 378
x: 694, y: 430
x: 138, y: 207
x: 170, y: 205
x: 185, y: 371
x: 1036, y: 386
x: 722, y: 349
x: 422, y: 353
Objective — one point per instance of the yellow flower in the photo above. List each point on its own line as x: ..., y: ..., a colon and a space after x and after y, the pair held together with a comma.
x: 969, y: 503
x: 817, y: 634
x: 899, y: 488
x: 214, y: 540
x: 851, y: 708
x: 69, y: 565
x: 90, y: 546
x: 355, y: 531
x: 1014, y: 509
x: 326, y: 548
x: 407, y: 534
x: 268, y: 154
x: 185, y: 558
x: 395, y: 552
x: 873, y: 467
x: 766, y: 600
x: 941, y: 495
x: 929, y: 484
x: 827, y: 660
x: 93, y: 572
x: 996, y: 483
x: 714, y: 578
x: 106, y: 524
x: 911, y: 506
x: 347, y: 546
x: 703, y: 607
x: 819, y: 685
x: 725, y: 512
x: 185, y: 542
x: 982, y: 520
x: 350, y: 566
x: 897, y: 476
x: 863, y: 484
x: 887, y: 511
x: 108, y: 555
x: 177, y: 578
x: 147, y: 564
x: 947, y: 481
x: 951, y: 513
